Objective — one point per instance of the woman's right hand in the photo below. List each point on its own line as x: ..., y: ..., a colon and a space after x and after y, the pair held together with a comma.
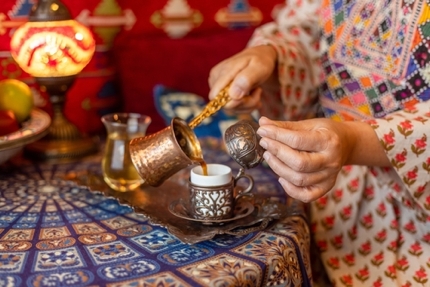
x: 245, y: 71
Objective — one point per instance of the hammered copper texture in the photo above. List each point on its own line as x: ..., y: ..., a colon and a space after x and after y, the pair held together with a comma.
x: 160, y: 155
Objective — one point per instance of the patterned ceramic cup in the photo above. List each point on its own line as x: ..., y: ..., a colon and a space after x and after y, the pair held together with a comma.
x: 212, y: 196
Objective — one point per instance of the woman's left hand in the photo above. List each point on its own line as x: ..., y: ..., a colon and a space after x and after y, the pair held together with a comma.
x: 307, y: 155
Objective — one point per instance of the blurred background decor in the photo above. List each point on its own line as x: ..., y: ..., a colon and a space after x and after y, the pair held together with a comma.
x: 177, y: 49
x: 95, y: 91
x: 140, y: 46
x: 54, y: 48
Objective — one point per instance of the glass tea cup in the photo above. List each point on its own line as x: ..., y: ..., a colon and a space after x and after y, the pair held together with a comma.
x: 118, y: 170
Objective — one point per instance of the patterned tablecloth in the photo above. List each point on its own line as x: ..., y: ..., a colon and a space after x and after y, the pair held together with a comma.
x: 54, y: 232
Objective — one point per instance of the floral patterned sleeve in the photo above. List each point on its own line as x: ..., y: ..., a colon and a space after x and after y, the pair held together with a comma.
x: 404, y: 135
x: 295, y: 34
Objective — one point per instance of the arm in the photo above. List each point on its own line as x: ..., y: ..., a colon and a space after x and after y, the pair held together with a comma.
x: 287, y: 49
x: 365, y: 146
x: 308, y: 155
x: 403, y: 136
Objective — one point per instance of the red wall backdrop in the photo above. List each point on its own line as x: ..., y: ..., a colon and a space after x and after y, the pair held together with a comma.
x: 141, y: 44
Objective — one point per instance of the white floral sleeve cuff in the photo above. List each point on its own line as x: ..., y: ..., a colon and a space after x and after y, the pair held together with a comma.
x: 404, y: 135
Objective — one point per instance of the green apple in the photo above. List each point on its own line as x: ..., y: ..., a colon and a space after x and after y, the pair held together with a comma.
x: 16, y: 96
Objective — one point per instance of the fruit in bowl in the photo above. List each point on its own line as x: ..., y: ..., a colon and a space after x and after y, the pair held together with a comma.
x: 32, y: 129
x: 8, y: 122
x: 15, y: 96
x: 16, y: 104
x: 20, y: 122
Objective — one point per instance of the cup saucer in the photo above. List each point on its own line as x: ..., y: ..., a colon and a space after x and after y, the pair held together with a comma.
x: 180, y: 209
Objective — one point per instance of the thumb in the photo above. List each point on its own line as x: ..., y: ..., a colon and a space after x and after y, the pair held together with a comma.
x: 247, y: 79
x: 264, y: 121
x: 239, y: 87
x: 289, y: 125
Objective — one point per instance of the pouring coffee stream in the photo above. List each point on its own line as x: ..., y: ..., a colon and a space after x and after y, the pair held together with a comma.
x: 211, y: 108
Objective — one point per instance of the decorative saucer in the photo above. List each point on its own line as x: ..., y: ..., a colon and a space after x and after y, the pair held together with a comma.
x: 241, y: 210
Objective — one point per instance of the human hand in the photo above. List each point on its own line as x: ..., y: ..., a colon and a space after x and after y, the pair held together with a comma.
x: 245, y: 71
x: 307, y: 155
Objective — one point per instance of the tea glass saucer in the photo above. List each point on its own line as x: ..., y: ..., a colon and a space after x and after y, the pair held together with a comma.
x: 180, y: 209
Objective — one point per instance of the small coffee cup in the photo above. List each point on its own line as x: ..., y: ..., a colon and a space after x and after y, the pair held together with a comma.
x: 212, y: 196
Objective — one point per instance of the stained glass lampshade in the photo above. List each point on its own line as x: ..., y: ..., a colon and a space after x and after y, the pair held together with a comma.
x: 54, y: 48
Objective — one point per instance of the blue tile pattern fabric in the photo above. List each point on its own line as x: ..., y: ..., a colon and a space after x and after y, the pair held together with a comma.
x: 54, y: 232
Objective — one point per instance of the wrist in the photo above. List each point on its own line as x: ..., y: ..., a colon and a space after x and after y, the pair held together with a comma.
x: 268, y: 49
x: 352, y: 141
x: 364, y: 147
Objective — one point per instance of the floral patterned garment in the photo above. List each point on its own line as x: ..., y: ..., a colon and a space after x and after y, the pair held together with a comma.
x: 371, y: 64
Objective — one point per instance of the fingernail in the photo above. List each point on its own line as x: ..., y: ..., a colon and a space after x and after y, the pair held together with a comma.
x: 262, y: 132
x: 236, y: 92
x: 263, y: 144
x: 266, y: 155
x: 282, y: 181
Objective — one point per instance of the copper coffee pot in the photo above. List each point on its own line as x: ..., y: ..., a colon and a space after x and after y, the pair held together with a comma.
x: 160, y: 155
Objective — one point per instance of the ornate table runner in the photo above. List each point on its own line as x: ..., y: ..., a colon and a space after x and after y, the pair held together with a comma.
x: 54, y: 232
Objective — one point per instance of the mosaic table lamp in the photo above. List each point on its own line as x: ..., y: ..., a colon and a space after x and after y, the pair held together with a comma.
x: 54, y: 48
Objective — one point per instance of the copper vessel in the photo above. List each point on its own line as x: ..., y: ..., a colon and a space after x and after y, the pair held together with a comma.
x: 160, y: 155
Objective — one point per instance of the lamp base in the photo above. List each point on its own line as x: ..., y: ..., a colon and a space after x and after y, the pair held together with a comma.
x: 64, y: 141
x: 61, y: 150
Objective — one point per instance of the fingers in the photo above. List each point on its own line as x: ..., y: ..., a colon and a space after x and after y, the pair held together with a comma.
x: 243, y: 71
x: 251, y: 76
x: 307, y: 193
x: 303, y: 186
x: 293, y: 175
x: 222, y: 75
x: 241, y: 78
x: 296, y: 135
x: 247, y: 104
x: 295, y: 160
x: 307, y: 155
x: 243, y: 100
x: 266, y: 121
